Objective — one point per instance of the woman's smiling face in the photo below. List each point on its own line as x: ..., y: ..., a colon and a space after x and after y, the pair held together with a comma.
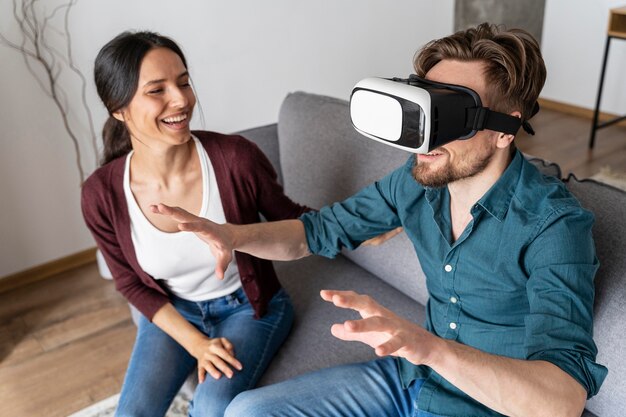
x: 161, y: 109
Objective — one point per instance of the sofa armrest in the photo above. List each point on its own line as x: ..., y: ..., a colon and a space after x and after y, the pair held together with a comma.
x: 608, y: 204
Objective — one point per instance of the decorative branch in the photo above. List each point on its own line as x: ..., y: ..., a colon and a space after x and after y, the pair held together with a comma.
x: 35, y: 27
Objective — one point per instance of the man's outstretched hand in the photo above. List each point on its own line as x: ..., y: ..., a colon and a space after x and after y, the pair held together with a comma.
x: 381, y: 329
x: 219, y: 237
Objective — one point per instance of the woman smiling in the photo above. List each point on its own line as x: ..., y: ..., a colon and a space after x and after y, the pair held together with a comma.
x: 228, y: 326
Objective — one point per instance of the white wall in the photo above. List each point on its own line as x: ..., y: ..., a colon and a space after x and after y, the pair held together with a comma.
x: 244, y: 56
x: 574, y: 35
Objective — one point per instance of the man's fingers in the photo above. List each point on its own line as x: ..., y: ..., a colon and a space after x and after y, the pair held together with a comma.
x: 364, y: 304
x: 221, y: 266
x: 390, y: 346
x: 188, y: 222
x: 195, y: 226
x: 176, y: 213
x: 340, y: 298
x: 339, y: 331
x: 370, y: 324
x: 353, y: 329
x: 327, y: 295
x: 219, y: 272
x: 372, y: 339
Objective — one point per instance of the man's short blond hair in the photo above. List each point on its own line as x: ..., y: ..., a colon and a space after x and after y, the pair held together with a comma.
x: 515, y: 71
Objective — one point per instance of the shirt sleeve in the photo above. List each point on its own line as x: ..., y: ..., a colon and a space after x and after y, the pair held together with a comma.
x: 369, y: 213
x: 562, y: 263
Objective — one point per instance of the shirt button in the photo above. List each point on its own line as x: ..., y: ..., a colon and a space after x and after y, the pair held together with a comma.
x: 448, y: 268
x: 453, y: 300
x: 453, y: 326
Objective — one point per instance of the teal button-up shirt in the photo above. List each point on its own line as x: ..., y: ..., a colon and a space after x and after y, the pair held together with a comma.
x: 518, y: 282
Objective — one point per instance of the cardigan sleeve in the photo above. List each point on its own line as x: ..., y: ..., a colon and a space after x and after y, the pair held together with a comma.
x: 148, y: 300
x: 271, y: 199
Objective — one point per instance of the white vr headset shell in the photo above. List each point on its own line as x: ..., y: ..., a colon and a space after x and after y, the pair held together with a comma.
x: 419, y: 115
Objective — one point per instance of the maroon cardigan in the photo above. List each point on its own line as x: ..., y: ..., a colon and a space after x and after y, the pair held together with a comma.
x: 247, y: 184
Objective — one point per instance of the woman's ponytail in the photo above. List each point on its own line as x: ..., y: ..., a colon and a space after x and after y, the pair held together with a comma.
x: 116, y: 140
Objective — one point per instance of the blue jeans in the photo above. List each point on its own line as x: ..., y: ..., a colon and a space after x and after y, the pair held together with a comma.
x: 370, y: 389
x: 159, y: 365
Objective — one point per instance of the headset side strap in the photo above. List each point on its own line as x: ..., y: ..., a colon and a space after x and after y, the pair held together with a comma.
x: 480, y: 118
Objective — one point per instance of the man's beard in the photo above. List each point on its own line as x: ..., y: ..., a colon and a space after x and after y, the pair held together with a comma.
x: 443, y: 176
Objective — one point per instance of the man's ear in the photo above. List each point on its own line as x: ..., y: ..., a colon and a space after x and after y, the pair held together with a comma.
x: 505, y: 139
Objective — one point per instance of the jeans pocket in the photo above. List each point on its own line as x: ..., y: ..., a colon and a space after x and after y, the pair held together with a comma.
x: 238, y: 298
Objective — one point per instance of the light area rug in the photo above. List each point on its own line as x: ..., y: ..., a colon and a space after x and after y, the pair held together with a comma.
x: 611, y: 177
x: 106, y: 408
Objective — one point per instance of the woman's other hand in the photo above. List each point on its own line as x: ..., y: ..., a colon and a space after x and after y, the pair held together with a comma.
x: 215, y: 357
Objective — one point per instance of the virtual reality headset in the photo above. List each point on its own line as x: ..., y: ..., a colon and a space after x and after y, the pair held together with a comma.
x: 419, y: 115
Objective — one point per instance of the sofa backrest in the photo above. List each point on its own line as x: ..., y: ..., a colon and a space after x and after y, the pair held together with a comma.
x: 266, y: 139
x: 324, y: 160
x: 608, y: 205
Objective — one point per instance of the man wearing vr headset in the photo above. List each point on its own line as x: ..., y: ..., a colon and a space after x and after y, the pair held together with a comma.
x: 508, y: 253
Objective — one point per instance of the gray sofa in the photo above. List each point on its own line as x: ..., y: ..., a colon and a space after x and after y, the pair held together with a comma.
x: 321, y: 159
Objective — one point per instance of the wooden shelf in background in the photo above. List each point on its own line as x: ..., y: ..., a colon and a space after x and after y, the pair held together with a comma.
x: 617, y: 22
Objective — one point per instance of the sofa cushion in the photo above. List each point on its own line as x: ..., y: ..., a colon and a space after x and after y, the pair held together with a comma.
x: 324, y: 160
x: 311, y: 346
x: 546, y: 167
x: 608, y: 204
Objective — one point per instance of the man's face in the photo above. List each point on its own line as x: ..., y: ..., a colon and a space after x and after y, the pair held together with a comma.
x: 458, y: 159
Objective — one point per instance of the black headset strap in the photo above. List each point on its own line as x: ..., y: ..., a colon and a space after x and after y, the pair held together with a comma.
x: 480, y: 118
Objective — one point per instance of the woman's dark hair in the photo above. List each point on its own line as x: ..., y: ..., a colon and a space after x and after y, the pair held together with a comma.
x: 117, y: 75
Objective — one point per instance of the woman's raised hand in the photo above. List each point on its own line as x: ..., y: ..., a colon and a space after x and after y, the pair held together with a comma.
x: 218, y: 236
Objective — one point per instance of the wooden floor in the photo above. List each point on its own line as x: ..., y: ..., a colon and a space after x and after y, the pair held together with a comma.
x: 564, y: 139
x: 65, y: 342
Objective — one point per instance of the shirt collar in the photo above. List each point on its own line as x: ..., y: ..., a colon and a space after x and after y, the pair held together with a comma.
x: 497, y: 200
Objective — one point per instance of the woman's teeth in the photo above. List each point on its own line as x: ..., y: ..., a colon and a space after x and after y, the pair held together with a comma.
x: 175, y: 119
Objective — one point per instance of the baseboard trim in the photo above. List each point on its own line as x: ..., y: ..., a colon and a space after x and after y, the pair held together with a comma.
x: 576, y: 110
x: 47, y: 270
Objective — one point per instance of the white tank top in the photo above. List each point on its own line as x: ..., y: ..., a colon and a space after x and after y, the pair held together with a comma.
x: 180, y: 259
